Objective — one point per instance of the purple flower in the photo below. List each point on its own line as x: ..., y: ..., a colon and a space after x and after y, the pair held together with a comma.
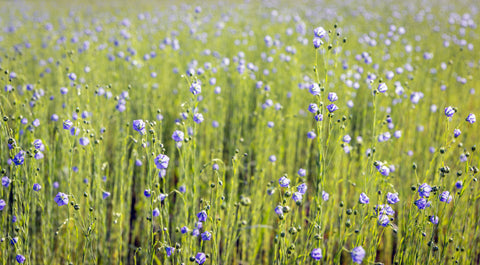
x: 272, y: 158
x: 449, y: 111
x: 284, y: 182
x: 19, y: 158
x: 424, y: 190
x: 297, y: 196
x: 184, y: 230
x: 215, y: 167
x: 105, y: 194
x: 319, y: 117
x: 200, y: 258
x: 320, y: 32
x: 302, y: 172
x: 471, y: 118
x: 459, y: 184
x: 332, y: 96
x: 316, y: 254
x: 139, y: 126
x: 279, y: 210
x: 2, y: 204
x: 456, y: 133
x: 384, y: 209
x: 147, y: 193
x: 156, y: 212
x: 332, y: 107
x: 20, y: 258
x: 67, y: 124
x: 314, y: 89
x: 382, y: 88
x: 38, y: 144
x: 36, y: 122
x: 72, y: 76
x: 6, y: 181
x: 138, y: 163
x: 392, y: 198
x: 313, y: 108
x: 347, y: 139
x: 195, y: 232
x: 61, y: 199
x: 37, y: 187
x: 357, y: 254
x: 363, y: 198
x: 169, y: 251
x: 422, y: 203
x: 198, y: 118
x: 84, y: 141
x: 325, y: 196
x: 311, y: 135
x: 445, y: 197
x: 302, y: 188
x: 195, y: 88
x: 383, y: 220
x: 202, y: 216
x: 433, y: 219
x: 177, y: 136
x: 317, y: 42
x: 206, y: 236
x: 161, y: 161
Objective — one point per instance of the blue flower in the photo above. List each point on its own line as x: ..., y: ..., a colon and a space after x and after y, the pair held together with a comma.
x: 19, y: 158
x: 382, y: 88
x: 317, y: 42
x: 422, y: 203
x: 325, y: 196
x: 177, y: 136
x: 105, y: 194
x: 169, y: 251
x: 424, y: 190
x: 357, y: 254
x: 84, y: 141
x: 200, y: 258
x: 363, y: 198
x: 37, y: 187
x: 195, y: 88
x: 161, y: 161
x: 320, y: 32
x: 198, y: 118
x: 319, y: 117
x: 20, y: 258
x: 67, y: 124
x: 449, y: 111
x: 2, y: 204
x: 314, y: 89
x: 456, y: 133
x: 6, y: 181
x: 332, y: 107
x: 202, y: 216
x: 313, y: 108
x: 147, y: 193
x: 206, y: 236
x: 392, y: 198
x: 471, y: 118
x: 433, y: 219
x: 279, y: 210
x: 61, y: 199
x: 184, y: 230
x: 284, y: 182
x: 316, y: 254
x: 383, y: 220
x: 139, y: 126
x: 332, y: 96
x: 445, y: 197
x: 302, y: 188
x: 156, y: 212
x: 302, y: 172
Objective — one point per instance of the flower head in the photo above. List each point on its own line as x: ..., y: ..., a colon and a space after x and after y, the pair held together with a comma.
x: 392, y: 198
x: 316, y: 254
x: 161, y: 161
x: 67, y: 124
x: 195, y: 88
x: 332, y: 107
x: 424, y: 190
x: 449, y: 111
x: 382, y: 88
x: 206, y: 236
x: 37, y: 187
x: 61, y: 199
x: 177, y: 136
x: 332, y: 96
x: 433, y: 219
x: 471, y: 118
x: 200, y: 258
x: 363, y: 198
x: 383, y: 220
x: 302, y: 188
x: 20, y: 259
x: 202, y: 216
x: 422, y: 203
x: 284, y: 182
x: 445, y: 197
x: 320, y: 32
x: 358, y: 254
x: 139, y: 126
x: 2, y: 204
x: 19, y: 158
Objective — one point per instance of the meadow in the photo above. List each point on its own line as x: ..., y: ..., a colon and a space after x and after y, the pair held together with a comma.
x: 239, y: 132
